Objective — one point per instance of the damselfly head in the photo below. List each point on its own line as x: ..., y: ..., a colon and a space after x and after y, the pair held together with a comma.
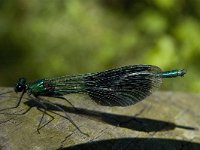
x: 20, y: 85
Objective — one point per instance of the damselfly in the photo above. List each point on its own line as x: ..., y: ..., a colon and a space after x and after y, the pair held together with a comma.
x: 115, y: 87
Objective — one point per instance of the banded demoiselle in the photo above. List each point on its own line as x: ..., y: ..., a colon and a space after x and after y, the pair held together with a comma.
x: 115, y: 87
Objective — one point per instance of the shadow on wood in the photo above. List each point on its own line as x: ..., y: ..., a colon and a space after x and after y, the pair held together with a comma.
x: 136, y: 144
x: 129, y: 122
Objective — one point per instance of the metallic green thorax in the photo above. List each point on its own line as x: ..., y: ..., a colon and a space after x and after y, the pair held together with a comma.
x: 40, y: 87
x: 57, y: 86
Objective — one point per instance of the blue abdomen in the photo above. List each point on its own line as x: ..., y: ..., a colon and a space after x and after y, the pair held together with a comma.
x: 173, y: 73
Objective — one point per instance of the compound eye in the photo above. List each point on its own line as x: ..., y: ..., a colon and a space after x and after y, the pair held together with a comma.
x: 19, y: 88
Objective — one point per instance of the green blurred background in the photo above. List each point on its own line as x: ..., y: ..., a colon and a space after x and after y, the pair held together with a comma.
x: 56, y: 37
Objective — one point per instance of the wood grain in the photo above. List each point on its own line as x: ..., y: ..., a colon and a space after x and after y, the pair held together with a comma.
x: 165, y: 119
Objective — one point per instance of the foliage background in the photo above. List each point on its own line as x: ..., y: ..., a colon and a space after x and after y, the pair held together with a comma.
x: 51, y: 38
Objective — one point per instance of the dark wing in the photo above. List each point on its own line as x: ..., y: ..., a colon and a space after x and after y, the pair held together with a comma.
x: 123, y: 86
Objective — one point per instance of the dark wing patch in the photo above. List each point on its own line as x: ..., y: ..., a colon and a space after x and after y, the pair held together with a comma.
x: 123, y: 86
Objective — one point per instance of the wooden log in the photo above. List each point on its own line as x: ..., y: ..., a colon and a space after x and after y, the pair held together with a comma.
x: 164, y: 120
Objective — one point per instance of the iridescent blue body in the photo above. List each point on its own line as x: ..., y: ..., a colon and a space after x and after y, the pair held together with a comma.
x: 115, y: 87
x: 173, y: 73
x: 122, y: 86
